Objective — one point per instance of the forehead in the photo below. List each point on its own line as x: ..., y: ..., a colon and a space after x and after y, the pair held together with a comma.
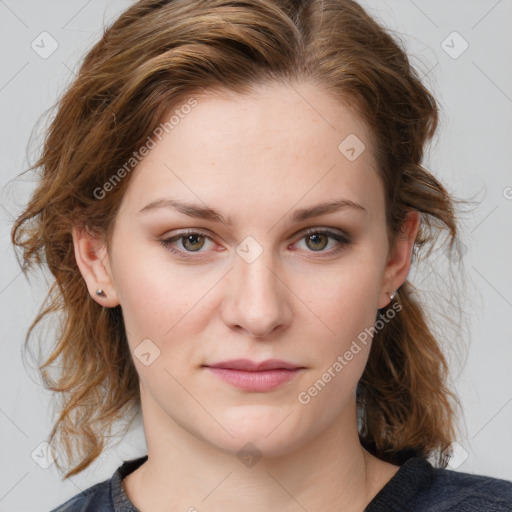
x: 280, y: 143
x: 275, y: 116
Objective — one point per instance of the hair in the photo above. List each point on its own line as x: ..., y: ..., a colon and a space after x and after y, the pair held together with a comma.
x: 156, y: 56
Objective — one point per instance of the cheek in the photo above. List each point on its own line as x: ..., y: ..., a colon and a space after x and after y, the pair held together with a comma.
x: 344, y: 298
x: 155, y: 294
x: 348, y: 312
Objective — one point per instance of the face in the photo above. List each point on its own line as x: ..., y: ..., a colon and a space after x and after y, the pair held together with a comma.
x: 269, y: 277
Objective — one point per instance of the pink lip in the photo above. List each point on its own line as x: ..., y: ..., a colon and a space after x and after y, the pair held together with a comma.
x: 252, y: 376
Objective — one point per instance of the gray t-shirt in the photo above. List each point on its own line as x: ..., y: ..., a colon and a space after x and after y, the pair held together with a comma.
x: 416, y: 487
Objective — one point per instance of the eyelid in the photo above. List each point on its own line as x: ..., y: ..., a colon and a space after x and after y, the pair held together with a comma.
x: 166, y: 239
x: 327, y: 231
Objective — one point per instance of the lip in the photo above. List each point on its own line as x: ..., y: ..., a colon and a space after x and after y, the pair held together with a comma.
x: 253, y: 366
x: 255, y: 376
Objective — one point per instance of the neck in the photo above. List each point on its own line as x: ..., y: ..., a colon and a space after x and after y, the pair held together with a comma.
x: 186, y: 473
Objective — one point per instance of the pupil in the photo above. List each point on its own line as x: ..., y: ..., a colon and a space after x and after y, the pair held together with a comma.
x: 193, y: 240
x: 317, y: 239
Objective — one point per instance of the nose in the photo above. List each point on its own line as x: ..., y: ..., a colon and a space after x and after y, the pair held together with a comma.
x: 257, y: 299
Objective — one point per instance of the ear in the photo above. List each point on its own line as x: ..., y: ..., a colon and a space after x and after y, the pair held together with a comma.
x: 92, y: 259
x: 399, y: 258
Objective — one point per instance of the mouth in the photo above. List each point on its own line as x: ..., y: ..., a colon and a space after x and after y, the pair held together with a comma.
x: 255, y: 376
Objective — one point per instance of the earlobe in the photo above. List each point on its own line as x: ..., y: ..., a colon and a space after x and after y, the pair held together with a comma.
x: 399, y: 260
x: 92, y: 260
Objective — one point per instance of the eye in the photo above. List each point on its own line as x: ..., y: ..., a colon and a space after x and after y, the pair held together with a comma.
x: 193, y: 242
x: 317, y: 240
x: 190, y: 242
x: 185, y: 244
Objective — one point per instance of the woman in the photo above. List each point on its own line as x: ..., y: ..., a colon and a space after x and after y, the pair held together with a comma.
x: 231, y: 198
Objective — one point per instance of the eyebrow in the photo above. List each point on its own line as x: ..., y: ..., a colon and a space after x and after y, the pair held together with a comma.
x: 207, y: 213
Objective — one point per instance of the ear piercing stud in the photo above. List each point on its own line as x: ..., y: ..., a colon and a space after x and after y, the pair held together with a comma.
x: 392, y: 295
x: 100, y: 292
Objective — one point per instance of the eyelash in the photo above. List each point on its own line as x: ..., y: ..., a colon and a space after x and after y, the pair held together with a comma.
x: 342, y: 240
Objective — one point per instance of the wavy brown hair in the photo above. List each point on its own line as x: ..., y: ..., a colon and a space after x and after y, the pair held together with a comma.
x: 153, y: 57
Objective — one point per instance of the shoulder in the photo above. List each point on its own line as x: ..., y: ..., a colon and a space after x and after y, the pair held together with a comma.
x: 418, y: 486
x: 95, y: 498
x: 455, y: 491
x: 106, y: 496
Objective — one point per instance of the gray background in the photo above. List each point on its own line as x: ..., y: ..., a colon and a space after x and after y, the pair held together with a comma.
x: 471, y: 155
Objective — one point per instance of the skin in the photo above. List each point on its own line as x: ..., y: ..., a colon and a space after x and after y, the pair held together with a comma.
x: 256, y: 159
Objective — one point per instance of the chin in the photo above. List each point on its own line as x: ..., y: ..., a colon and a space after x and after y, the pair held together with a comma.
x: 258, y: 444
x: 270, y: 430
